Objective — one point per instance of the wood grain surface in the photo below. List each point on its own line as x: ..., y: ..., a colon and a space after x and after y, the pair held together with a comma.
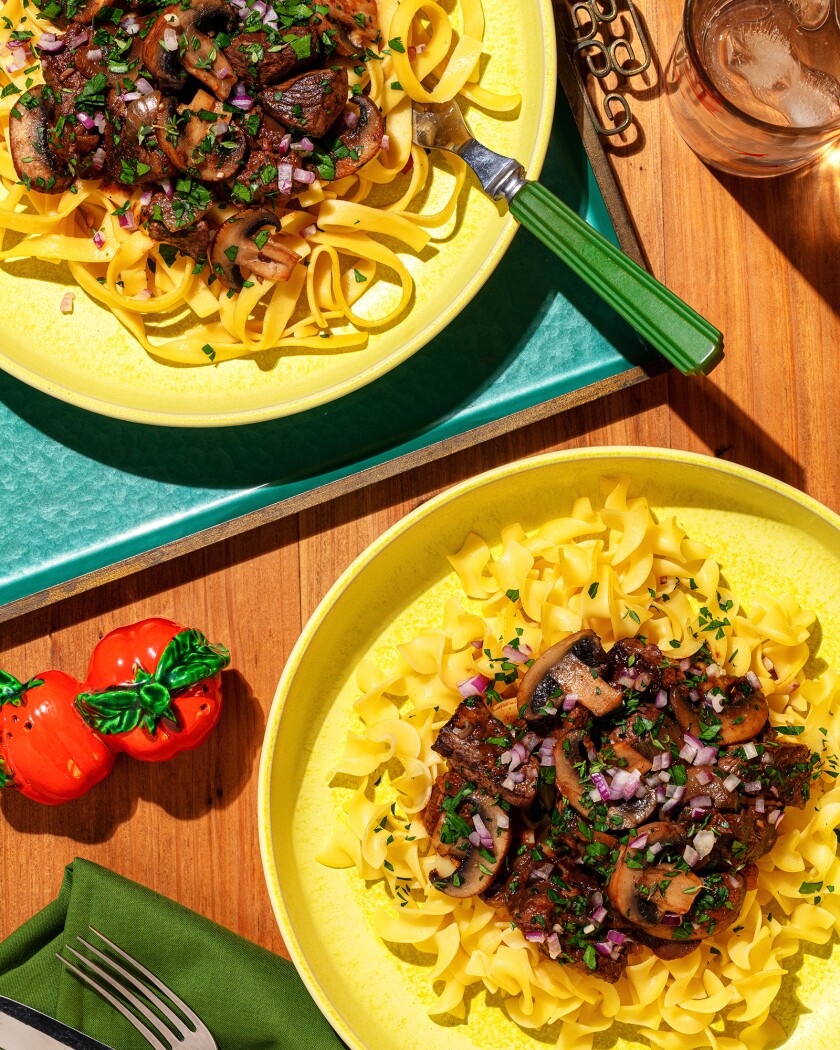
x: 759, y: 258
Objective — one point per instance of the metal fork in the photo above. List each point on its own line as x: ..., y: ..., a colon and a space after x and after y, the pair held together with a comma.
x: 185, y: 1032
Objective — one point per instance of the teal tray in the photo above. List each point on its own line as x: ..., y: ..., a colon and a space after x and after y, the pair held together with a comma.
x: 86, y: 496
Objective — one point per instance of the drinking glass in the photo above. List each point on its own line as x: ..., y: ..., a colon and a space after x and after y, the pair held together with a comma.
x: 754, y: 85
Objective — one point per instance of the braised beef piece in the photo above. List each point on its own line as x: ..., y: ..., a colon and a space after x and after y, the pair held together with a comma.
x: 740, y: 838
x: 58, y: 66
x: 447, y: 786
x: 789, y: 772
x: 632, y: 658
x: 252, y: 59
x: 474, y: 741
x: 708, y: 782
x: 310, y: 102
x: 260, y: 175
x: 192, y: 240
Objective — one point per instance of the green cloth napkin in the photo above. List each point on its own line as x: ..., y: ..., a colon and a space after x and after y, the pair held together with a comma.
x: 249, y: 998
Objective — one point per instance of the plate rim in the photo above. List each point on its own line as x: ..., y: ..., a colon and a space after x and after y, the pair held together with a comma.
x: 404, y: 525
x: 403, y: 351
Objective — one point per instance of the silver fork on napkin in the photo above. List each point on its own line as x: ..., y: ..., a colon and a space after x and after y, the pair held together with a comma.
x: 184, y: 1031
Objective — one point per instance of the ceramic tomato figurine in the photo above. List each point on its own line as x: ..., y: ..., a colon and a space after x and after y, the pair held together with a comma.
x: 154, y: 689
x: 47, y: 752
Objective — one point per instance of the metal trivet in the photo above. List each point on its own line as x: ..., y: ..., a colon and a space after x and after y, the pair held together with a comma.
x: 602, y: 45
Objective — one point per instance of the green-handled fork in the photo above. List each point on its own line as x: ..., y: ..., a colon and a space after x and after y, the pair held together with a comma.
x: 679, y: 333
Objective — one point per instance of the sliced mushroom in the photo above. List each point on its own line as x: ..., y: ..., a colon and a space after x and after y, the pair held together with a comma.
x: 252, y: 58
x: 361, y: 142
x: 131, y: 140
x: 182, y: 40
x: 478, y: 865
x: 349, y: 26
x: 570, y: 667
x: 743, y: 715
x: 200, y: 138
x: 35, y: 161
x: 310, y: 102
x: 654, y: 897
x: 239, y: 245
x: 629, y: 758
x: 648, y: 732
x: 569, y: 752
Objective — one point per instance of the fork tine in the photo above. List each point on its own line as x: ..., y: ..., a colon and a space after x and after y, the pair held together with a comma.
x: 182, y: 1006
x: 136, y: 1002
x: 152, y: 1039
x: 155, y: 1000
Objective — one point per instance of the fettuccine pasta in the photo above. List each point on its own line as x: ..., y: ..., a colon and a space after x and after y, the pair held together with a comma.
x: 349, y: 233
x: 619, y: 571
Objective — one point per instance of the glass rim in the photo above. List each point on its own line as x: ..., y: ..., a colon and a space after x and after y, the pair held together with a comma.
x: 717, y: 94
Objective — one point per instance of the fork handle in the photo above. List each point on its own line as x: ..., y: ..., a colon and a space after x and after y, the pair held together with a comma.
x: 679, y: 333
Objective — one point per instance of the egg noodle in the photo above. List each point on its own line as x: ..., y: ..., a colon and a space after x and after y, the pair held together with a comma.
x: 150, y: 289
x: 620, y: 572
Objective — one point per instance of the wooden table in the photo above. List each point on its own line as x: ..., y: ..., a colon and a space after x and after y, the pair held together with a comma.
x: 759, y: 258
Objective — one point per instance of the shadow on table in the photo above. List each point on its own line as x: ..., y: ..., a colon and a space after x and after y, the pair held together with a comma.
x: 186, y: 787
x: 800, y: 213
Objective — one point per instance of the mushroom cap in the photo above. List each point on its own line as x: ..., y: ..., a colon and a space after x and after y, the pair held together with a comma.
x: 569, y: 751
x: 187, y: 137
x: 235, y: 247
x: 567, y: 667
x: 195, y: 21
x: 739, y: 721
x: 476, y: 869
x: 32, y: 155
x: 364, y: 140
x: 647, y: 909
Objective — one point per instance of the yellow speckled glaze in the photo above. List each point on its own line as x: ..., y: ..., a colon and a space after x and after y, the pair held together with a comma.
x: 768, y: 537
x: 90, y: 360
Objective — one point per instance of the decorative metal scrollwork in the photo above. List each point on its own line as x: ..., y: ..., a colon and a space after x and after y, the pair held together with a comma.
x: 605, y: 38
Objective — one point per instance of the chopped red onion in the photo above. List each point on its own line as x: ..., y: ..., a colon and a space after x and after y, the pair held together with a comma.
x: 66, y: 304
x: 170, y: 40
x: 99, y: 121
x: 595, y: 795
x: 702, y: 801
x: 661, y: 698
x: 221, y: 127
x: 351, y: 119
x: 483, y: 833
x: 625, y: 680
x: 703, y: 777
x: 661, y: 796
x: 661, y: 760
x: 224, y: 73
x: 694, y: 741
x: 664, y: 776
x: 704, y: 842
x: 475, y: 838
x: 145, y: 198
x: 543, y: 871
x: 569, y: 701
x: 97, y: 161
x: 599, y: 915
x: 130, y: 96
x: 94, y: 54
x: 670, y: 804
x: 752, y: 787
x: 603, y: 949
x: 715, y: 699
x: 85, y: 120
x: 516, y: 656
x: 731, y: 782
x: 754, y: 680
x: 602, y: 787
x: 638, y: 843
x: 616, y: 936
x: 685, y: 664
x: 143, y: 86
x: 624, y: 784
x: 553, y: 944
x: 669, y: 918
x: 167, y: 187
x: 126, y: 220
x: 505, y: 758
x: 655, y: 848
x: 675, y: 791
x: 537, y: 936
x: 759, y: 804
x: 130, y: 26
x: 688, y: 753
x: 713, y: 671
x: 502, y: 819
x: 517, y: 777
x: 310, y: 231
x: 471, y: 686
x: 50, y: 43
x: 706, y: 756
x: 386, y: 142
x: 690, y: 856
x: 99, y: 239
x: 750, y: 750
x: 767, y: 759
x: 775, y: 818
x: 530, y: 741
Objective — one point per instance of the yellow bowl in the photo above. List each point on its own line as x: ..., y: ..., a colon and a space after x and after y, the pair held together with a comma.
x: 90, y: 360
x: 768, y: 537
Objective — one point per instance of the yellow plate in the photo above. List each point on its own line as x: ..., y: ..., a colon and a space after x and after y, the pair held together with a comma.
x: 767, y: 536
x: 90, y: 360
